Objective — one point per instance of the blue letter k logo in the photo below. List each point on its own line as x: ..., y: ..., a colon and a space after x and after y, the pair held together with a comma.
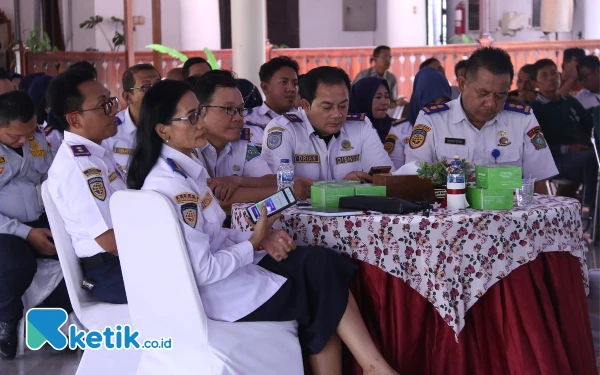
x: 43, y: 326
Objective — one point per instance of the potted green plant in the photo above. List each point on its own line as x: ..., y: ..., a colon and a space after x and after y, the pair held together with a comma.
x: 437, y: 172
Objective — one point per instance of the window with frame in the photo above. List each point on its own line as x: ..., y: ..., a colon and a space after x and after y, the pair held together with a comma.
x: 473, y: 15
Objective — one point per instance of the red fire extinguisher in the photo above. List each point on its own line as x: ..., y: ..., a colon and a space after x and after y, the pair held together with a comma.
x: 459, y: 19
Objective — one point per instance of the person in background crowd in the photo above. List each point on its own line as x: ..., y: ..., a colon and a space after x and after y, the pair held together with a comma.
x: 51, y: 128
x: 27, y: 80
x: 84, y: 176
x: 569, y: 78
x: 137, y: 80
x: 297, y: 104
x: 481, y: 126
x: 237, y: 171
x: 459, y: 71
x: 24, y: 230
x: 589, y: 76
x: 237, y: 281
x: 175, y: 74
x: 430, y: 88
x: 15, y: 79
x: 279, y: 83
x: 382, y: 58
x: 322, y: 139
x: 250, y: 93
x: 567, y: 128
x: 5, y: 84
x: 435, y: 64
x: 85, y: 65
x: 371, y: 95
x: 525, y: 91
x: 195, y: 66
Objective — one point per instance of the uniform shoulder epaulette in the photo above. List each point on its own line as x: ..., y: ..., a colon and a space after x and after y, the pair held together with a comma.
x: 255, y: 124
x: 435, y: 108
x: 292, y: 117
x: 518, y: 107
x: 251, y: 152
x: 245, y: 134
x: 399, y: 121
x: 80, y: 150
x: 48, y: 129
x: 176, y: 167
x: 356, y: 117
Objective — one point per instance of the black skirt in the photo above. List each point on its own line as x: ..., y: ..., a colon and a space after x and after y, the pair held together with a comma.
x: 315, y: 294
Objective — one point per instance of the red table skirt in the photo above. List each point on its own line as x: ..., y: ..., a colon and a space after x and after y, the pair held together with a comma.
x: 535, y: 321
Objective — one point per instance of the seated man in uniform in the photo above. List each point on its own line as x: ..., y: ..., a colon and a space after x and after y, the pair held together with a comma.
x: 195, y: 66
x: 525, y: 91
x: 322, y: 140
x: 84, y: 176
x: 238, y: 171
x: 480, y: 126
x: 568, y: 128
x: 279, y: 83
x: 589, y: 76
x: 136, y: 81
x: 24, y: 231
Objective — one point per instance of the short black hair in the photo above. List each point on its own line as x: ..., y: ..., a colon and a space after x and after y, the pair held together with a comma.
x: 428, y: 62
x: 539, y: 65
x: 268, y: 69
x: 326, y: 75
x: 462, y: 64
x: 205, y: 86
x: 63, y: 95
x: 193, y: 61
x: 15, y: 106
x: 378, y: 50
x: 529, y: 69
x: 495, y: 60
x: 85, y: 65
x: 570, y: 53
x: 128, y: 77
x: 591, y: 62
x: 4, y: 74
x: 14, y: 75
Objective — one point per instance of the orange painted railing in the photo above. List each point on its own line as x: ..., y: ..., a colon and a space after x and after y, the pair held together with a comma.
x: 405, y: 60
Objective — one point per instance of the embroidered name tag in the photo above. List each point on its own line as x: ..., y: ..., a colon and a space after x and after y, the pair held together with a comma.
x: 307, y: 158
x: 92, y: 172
x: 37, y: 153
x: 347, y: 159
x: 206, y: 201
x: 187, y: 197
x: 112, y: 177
x: 456, y: 141
x: 121, y: 150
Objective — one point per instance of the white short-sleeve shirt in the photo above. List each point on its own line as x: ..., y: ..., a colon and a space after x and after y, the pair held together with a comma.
x: 240, y: 158
x: 588, y: 99
x: 396, y: 140
x: 121, y: 144
x: 81, y: 182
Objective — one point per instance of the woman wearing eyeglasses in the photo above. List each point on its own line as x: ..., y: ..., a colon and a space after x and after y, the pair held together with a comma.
x: 236, y: 279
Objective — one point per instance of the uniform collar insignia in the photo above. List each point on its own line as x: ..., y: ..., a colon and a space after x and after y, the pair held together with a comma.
x: 176, y: 167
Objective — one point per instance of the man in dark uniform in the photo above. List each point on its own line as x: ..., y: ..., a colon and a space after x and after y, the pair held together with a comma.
x: 567, y: 127
x: 24, y: 231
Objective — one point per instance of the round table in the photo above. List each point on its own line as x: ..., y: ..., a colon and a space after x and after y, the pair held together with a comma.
x: 452, y: 259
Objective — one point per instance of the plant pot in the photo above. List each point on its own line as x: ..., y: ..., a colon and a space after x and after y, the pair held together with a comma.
x: 439, y: 192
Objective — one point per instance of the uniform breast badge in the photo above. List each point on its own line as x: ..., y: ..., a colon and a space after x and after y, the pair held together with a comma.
x: 346, y: 145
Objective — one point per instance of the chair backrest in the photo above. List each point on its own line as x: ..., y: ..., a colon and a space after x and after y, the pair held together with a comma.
x: 161, y: 289
x: 69, y: 262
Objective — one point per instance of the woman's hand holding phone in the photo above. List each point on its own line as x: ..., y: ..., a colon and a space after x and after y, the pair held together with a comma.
x: 262, y: 227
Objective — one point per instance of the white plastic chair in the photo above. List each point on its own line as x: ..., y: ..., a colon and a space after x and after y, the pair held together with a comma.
x: 92, y: 313
x: 164, y: 301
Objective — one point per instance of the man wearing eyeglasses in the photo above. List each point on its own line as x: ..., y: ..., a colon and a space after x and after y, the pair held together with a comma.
x: 84, y: 176
x: 136, y: 81
x: 279, y: 83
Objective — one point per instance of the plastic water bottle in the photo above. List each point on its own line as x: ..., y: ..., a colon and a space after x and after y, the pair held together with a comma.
x: 456, y: 186
x: 285, y: 175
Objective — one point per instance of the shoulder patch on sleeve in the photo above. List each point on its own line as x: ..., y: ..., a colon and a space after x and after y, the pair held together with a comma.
x: 518, y: 107
x: 48, y: 129
x: 80, y: 150
x: 245, y: 134
x: 97, y: 188
x: 274, y: 139
x: 187, y: 197
x: 390, y: 143
x: 399, y: 121
x: 251, y: 152
x: 92, y: 172
x: 435, y: 108
x: 356, y: 117
x: 292, y: 117
x: 176, y: 167
x: 251, y: 123
x: 418, y: 136
x: 536, y: 129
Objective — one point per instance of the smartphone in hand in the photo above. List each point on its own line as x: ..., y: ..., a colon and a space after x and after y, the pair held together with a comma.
x: 275, y: 203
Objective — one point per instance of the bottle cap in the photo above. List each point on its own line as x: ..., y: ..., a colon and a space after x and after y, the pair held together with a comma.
x: 285, y: 161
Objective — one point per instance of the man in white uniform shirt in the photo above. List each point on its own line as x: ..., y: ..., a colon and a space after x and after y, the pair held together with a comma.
x: 85, y: 175
x: 481, y: 126
x: 136, y: 81
x: 25, y: 157
x: 322, y: 140
x: 279, y: 83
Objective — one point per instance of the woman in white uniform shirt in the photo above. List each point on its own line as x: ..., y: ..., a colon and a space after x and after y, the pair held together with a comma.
x: 236, y: 279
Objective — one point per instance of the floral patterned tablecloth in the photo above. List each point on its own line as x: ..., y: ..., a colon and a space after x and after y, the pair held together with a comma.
x: 450, y: 257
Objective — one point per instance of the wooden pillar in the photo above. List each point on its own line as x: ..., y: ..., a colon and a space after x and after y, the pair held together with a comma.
x: 129, y: 46
x: 248, y: 31
x: 156, y: 34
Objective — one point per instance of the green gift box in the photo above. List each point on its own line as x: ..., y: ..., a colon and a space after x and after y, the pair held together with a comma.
x: 328, y: 195
x: 490, y: 199
x: 335, y: 183
x: 499, y: 177
x: 370, y: 189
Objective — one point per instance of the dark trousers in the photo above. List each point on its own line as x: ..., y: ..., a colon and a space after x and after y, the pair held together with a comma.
x: 108, y: 281
x: 580, y: 167
x: 18, y: 266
